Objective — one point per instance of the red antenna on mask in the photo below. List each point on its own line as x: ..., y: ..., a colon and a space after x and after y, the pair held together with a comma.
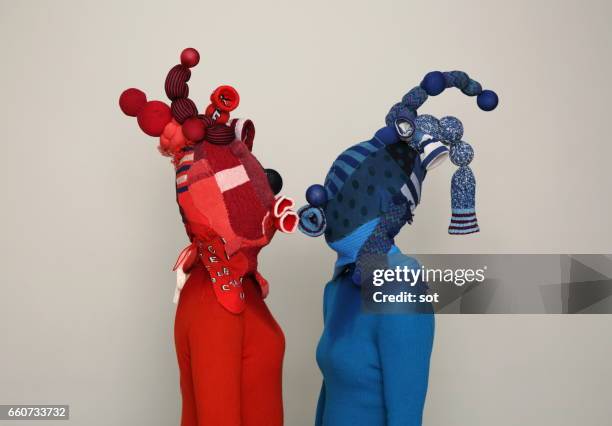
x: 179, y: 124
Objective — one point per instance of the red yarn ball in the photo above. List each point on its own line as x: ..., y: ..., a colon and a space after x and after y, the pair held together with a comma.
x: 225, y: 98
x: 153, y: 117
x: 190, y: 57
x: 194, y: 129
x: 132, y: 101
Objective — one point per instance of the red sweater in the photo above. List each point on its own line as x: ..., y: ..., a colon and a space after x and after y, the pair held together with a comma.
x: 230, y: 364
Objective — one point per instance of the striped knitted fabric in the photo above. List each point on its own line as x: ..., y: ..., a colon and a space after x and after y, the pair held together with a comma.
x: 463, y: 221
x: 182, y: 167
x: 344, y: 166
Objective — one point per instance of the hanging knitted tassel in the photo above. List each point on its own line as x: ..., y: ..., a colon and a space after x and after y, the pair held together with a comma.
x: 449, y: 130
x: 463, y: 191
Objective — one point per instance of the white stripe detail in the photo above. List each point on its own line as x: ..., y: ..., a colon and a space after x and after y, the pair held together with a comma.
x: 181, y: 178
x: 416, y: 184
x: 181, y: 279
x: 187, y: 157
x: 425, y: 138
x: 464, y: 225
x: 439, y: 159
x: 231, y: 178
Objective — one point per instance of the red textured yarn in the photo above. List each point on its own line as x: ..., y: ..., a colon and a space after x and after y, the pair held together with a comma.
x: 183, y: 108
x: 225, y: 98
x: 172, y: 139
x: 153, y: 117
x: 222, y: 116
x: 176, y: 82
x: 194, y: 129
x: 220, y: 134
x: 190, y: 57
x: 132, y: 101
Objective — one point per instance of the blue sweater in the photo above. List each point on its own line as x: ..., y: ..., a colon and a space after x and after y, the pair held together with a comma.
x: 375, y: 366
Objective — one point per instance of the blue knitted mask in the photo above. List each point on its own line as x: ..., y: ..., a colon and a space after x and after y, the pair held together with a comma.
x: 373, y: 188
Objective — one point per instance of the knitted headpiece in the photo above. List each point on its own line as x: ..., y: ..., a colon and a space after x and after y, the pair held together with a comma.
x: 227, y: 200
x: 373, y: 188
x: 450, y: 131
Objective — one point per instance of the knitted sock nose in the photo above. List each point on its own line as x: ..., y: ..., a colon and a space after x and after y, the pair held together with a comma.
x: 463, y: 192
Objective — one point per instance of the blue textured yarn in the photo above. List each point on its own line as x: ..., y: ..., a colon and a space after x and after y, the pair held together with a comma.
x: 429, y: 124
x: 397, y: 111
x: 312, y: 220
x: 472, y: 89
x: 457, y: 79
x: 451, y: 129
x: 463, y: 189
x: 381, y: 239
x: 461, y: 153
x: 415, y: 98
x: 433, y: 84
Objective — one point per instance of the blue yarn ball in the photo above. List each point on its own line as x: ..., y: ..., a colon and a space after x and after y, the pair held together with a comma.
x: 312, y: 221
x: 461, y: 153
x: 316, y: 195
x: 451, y: 129
x: 487, y: 100
x: 434, y: 83
x: 428, y: 124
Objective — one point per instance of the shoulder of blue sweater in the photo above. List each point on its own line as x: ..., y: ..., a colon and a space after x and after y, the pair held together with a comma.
x: 330, y: 287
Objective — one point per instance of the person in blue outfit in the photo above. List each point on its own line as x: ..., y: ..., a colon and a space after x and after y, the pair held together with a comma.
x: 375, y: 366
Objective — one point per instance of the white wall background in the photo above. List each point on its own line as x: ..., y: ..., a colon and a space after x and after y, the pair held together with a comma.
x: 90, y: 229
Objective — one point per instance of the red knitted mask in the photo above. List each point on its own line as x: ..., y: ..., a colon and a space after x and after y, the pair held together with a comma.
x: 225, y: 197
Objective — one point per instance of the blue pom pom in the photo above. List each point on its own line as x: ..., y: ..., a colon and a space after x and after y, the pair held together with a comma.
x: 487, y: 100
x: 434, y: 83
x: 461, y: 154
x: 316, y: 195
x: 451, y: 129
x: 428, y: 124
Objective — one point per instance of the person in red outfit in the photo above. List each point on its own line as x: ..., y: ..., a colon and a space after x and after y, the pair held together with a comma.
x: 229, y: 347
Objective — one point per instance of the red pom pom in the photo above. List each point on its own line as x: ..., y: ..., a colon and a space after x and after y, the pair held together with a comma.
x: 153, y: 117
x: 190, y: 57
x: 132, y: 101
x: 194, y: 129
x: 225, y: 98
